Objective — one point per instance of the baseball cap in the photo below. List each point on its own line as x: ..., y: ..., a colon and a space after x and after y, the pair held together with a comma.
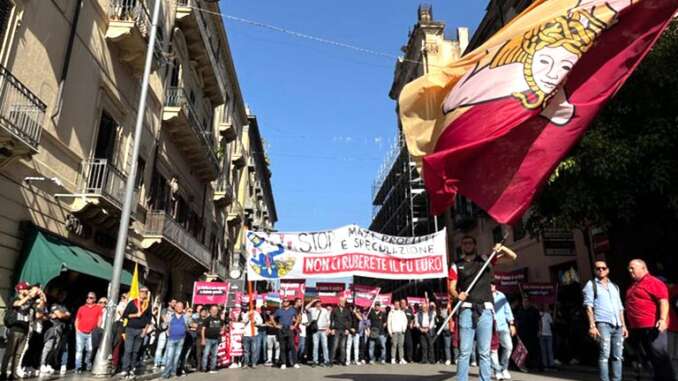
x: 23, y: 285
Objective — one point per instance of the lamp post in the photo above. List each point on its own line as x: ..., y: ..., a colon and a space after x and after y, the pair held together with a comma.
x: 101, y: 362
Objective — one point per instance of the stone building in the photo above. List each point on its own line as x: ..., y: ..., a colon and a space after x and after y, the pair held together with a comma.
x: 70, y: 74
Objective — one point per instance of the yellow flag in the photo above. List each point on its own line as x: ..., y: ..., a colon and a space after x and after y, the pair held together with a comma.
x: 134, y: 287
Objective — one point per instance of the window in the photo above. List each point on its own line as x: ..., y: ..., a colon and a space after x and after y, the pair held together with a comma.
x: 497, y: 234
x: 5, y: 13
x: 108, y: 129
x: 160, y: 193
x: 141, y: 168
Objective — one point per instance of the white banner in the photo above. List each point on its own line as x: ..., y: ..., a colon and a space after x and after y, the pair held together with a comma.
x: 347, y: 251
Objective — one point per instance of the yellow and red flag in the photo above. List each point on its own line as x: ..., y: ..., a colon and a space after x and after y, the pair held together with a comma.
x: 493, y: 125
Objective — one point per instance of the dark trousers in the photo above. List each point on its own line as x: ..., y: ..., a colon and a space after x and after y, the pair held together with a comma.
x: 340, y: 344
x: 286, y: 340
x: 133, y: 341
x: 652, y: 346
x: 409, y: 346
x: 15, y: 345
x: 426, y: 342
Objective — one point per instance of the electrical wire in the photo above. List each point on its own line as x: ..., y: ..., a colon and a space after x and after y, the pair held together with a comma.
x: 307, y: 36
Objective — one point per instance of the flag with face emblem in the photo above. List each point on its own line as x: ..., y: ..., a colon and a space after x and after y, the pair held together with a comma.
x: 494, y: 125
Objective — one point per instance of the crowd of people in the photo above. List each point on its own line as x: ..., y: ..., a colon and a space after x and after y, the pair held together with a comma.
x: 178, y: 338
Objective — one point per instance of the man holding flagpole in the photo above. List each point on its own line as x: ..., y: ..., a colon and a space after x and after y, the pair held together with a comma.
x: 476, y: 315
x: 138, y: 317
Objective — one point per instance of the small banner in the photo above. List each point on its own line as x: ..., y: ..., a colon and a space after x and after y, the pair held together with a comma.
x: 210, y: 293
x: 540, y: 293
x: 509, y: 282
x: 365, y: 295
x: 347, y: 251
x: 236, y: 332
x: 224, y: 350
x: 412, y: 300
x: 292, y: 290
x: 385, y: 299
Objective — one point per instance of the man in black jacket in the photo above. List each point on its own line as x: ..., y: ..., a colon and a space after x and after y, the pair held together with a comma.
x: 340, y: 324
x: 377, y: 319
x: 138, y: 315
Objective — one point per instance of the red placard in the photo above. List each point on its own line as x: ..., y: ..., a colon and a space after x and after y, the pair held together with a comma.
x: 210, y: 292
x: 292, y: 290
x: 509, y: 282
x: 365, y: 295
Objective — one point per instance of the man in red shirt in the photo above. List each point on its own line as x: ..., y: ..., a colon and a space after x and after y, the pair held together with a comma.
x: 86, y: 320
x: 647, y: 313
x: 673, y: 327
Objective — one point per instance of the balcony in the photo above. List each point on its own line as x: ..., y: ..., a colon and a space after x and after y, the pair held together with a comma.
x: 102, y: 194
x: 129, y: 24
x: 238, y: 159
x: 223, y: 194
x: 192, y: 137
x: 21, y: 117
x: 236, y: 214
x: 169, y: 239
x: 203, y: 45
x: 227, y: 131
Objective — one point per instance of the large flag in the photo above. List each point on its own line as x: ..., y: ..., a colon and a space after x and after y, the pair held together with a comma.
x: 493, y: 125
x: 134, y: 287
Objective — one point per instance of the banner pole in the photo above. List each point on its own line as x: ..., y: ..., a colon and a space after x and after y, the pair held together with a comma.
x: 251, y: 304
x: 469, y: 288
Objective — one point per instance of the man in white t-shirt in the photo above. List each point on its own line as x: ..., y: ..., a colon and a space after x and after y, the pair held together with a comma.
x: 546, y: 338
x: 319, y: 322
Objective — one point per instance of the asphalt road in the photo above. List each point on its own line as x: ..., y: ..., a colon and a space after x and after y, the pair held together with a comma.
x: 409, y: 372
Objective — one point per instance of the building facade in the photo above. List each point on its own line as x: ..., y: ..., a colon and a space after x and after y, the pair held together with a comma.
x: 70, y: 80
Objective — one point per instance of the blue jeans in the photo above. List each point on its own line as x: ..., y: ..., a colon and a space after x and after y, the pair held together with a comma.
x: 611, y: 344
x: 83, y: 341
x: 320, y: 338
x: 546, y: 346
x: 249, y: 348
x: 483, y: 335
x: 506, y: 347
x: 160, y: 349
x: 210, y: 352
x: 382, y: 344
x: 261, y: 346
x: 172, y: 354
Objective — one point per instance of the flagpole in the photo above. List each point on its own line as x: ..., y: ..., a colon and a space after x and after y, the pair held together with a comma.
x: 470, y: 287
x: 101, y: 368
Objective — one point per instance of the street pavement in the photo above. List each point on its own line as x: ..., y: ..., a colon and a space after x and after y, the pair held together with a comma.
x: 409, y: 372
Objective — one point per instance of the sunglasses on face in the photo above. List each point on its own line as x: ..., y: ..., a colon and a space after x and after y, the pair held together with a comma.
x: 90, y: 298
x: 601, y: 268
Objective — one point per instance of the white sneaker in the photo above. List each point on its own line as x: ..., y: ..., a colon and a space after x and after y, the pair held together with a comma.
x: 403, y: 362
x: 296, y: 366
x: 20, y: 373
x: 506, y: 374
x: 348, y: 363
x: 498, y: 376
x: 212, y: 372
x: 63, y: 370
x: 393, y: 362
x: 474, y: 363
x: 448, y: 362
x: 363, y: 362
x: 359, y: 363
x: 283, y: 366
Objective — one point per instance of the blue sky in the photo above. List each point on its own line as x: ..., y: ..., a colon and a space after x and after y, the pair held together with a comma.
x: 324, y: 111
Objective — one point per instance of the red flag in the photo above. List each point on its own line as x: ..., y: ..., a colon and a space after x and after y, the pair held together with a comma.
x: 512, y: 109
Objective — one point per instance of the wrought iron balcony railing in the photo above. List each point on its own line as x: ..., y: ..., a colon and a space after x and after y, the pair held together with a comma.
x: 21, y: 111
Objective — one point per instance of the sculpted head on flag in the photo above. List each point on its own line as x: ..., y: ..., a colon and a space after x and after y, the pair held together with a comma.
x: 533, y: 67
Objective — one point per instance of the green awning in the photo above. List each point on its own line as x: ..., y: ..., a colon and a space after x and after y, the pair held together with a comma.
x: 48, y: 255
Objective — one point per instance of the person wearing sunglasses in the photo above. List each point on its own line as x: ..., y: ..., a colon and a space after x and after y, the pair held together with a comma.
x: 86, y: 320
x: 607, y: 326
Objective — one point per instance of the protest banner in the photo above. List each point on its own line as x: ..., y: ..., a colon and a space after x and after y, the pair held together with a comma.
x: 224, y: 350
x: 364, y: 296
x: 539, y: 293
x: 237, y: 330
x: 347, y: 251
x: 210, y: 292
x: 292, y: 290
x: 412, y: 300
x: 384, y: 299
x: 509, y: 282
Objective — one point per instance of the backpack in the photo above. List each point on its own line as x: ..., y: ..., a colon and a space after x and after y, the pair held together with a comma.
x: 595, y: 288
x: 312, y: 324
x: 11, y: 318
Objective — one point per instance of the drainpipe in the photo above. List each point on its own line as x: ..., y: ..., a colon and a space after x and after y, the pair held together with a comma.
x: 67, y: 60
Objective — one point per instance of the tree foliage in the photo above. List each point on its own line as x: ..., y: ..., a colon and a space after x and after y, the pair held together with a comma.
x: 625, y: 169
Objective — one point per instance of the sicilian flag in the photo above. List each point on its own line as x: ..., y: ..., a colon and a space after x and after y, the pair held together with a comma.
x: 133, y: 294
x: 494, y: 125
